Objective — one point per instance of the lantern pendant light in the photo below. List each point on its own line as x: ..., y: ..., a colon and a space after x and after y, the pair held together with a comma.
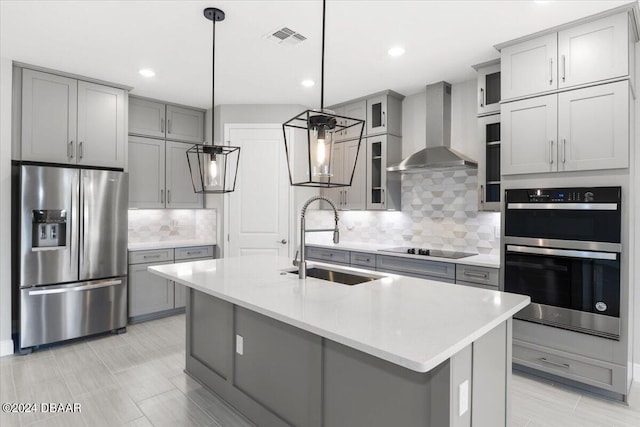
x: 213, y: 168
x: 313, y: 157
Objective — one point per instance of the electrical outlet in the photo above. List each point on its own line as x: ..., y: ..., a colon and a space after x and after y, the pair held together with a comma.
x: 239, y: 345
x: 463, y: 398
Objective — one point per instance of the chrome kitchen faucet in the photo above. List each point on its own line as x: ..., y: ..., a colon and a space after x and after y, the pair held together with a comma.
x: 302, y: 264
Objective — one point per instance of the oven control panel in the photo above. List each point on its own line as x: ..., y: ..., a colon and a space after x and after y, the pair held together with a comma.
x: 565, y: 195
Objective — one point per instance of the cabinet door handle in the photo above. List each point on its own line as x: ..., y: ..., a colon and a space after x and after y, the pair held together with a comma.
x: 363, y: 259
x: 169, y: 196
x: 478, y: 275
x: 564, y: 65
x: 80, y: 149
x: 383, y: 196
x: 564, y: 150
x: 551, y: 152
x: 150, y: 256
x: 550, y: 71
x: 482, y: 194
x: 194, y: 252
x: 384, y: 119
x: 551, y: 362
x: 346, y: 197
x: 70, y: 150
x: 481, y: 97
x: 161, y: 196
x: 162, y: 125
x: 168, y: 126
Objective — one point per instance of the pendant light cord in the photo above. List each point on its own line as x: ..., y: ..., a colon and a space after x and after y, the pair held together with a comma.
x: 213, y: 80
x: 324, y: 6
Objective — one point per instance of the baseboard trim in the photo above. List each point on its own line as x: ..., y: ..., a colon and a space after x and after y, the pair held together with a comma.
x: 6, y: 348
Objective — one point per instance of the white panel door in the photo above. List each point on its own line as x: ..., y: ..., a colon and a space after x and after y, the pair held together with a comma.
x: 593, y: 127
x: 259, y: 208
x: 101, y: 129
x: 594, y: 51
x: 49, y: 114
x: 529, y: 67
x: 179, y: 183
x: 529, y: 135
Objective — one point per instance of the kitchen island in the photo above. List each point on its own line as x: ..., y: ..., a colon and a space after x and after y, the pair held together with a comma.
x: 392, y: 351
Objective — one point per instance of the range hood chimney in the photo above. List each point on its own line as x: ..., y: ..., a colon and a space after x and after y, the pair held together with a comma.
x: 438, y: 155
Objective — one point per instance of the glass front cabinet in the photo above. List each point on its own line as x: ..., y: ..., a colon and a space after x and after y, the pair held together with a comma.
x: 488, y: 87
x: 489, y: 163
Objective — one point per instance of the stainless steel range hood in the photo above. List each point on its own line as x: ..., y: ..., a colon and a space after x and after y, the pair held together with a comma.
x: 438, y: 155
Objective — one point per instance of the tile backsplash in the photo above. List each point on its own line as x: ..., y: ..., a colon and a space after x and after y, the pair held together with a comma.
x: 439, y: 210
x: 162, y: 225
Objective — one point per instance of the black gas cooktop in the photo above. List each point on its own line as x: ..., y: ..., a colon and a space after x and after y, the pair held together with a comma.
x: 428, y: 252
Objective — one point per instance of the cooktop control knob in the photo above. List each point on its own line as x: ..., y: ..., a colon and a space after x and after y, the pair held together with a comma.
x: 411, y: 251
x: 588, y: 196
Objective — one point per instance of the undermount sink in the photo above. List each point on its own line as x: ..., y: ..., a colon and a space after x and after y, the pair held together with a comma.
x: 337, y: 276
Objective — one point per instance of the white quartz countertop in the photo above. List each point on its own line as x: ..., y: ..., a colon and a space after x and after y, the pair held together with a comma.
x: 480, y: 260
x: 143, y: 246
x: 414, y: 323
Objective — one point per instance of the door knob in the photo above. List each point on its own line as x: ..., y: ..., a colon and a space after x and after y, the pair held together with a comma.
x: 283, y: 241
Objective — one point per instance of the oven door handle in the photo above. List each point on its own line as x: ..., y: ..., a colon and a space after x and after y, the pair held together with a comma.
x: 565, y: 206
x: 563, y: 252
x: 76, y: 288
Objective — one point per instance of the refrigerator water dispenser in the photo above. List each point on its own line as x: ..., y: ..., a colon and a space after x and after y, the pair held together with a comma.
x: 49, y: 228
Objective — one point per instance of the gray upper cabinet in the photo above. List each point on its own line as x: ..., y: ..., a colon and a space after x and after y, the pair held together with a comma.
x: 383, y: 188
x: 160, y: 120
x: 159, y: 175
x: 355, y: 110
x: 185, y: 124
x: 49, y: 106
x: 594, y: 51
x: 146, y: 173
x: 146, y: 117
x: 489, y: 163
x: 384, y: 115
x: 488, y: 87
x: 576, y: 55
x: 101, y: 125
x: 179, y: 184
x: 69, y: 121
x: 354, y: 197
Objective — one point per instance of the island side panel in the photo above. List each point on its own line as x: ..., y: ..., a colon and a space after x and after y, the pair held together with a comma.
x: 210, y: 332
x: 280, y: 367
x: 364, y: 391
x: 491, y: 377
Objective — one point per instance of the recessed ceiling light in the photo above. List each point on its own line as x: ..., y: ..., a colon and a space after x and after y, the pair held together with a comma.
x: 396, y: 51
x: 146, y: 72
x: 307, y: 83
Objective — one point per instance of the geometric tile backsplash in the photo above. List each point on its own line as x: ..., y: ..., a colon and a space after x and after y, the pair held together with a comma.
x: 161, y: 225
x: 439, y: 210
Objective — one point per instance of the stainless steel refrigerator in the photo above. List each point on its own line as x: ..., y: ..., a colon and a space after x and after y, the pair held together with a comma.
x: 71, y: 245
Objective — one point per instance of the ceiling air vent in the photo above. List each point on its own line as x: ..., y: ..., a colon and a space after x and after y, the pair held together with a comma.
x: 285, y: 35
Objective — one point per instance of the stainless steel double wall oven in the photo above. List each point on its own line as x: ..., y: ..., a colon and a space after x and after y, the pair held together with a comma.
x: 562, y: 248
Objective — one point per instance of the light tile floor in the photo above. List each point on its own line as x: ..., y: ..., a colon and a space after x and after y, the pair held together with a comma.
x: 137, y: 379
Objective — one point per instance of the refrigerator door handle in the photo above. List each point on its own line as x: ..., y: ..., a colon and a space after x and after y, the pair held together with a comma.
x: 76, y: 288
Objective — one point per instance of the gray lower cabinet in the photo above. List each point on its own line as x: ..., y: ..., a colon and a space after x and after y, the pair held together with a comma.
x: 424, y: 269
x: 148, y: 293
x: 151, y: 296
x: 461, y: 274
x: 278, y: 375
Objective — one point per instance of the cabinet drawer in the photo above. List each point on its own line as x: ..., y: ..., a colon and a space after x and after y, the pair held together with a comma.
x: 363, y: 259
x: 155, y: 255
x: 474, y: 274
x: 409, y: 266
x: 477, y: 285
x: 585, y: 370
x: 194, y: 252
x: 328, y: 255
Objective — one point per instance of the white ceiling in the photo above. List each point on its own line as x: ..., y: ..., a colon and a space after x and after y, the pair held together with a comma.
x: 112, y: 40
